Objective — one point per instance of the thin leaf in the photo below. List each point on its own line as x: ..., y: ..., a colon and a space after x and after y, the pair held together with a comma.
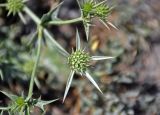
x: 10, y: 96
x: 22, y: 18
x: 52, y: 13
x: 4, y: 108
x: 104, y: 24
x: 25, y: 1
x: 42, y: 103
x: 3, y: 5
x: 112, y: 25
x: 56, y: 44
x: 33, y: 38
x: 55, y: 10
x: 68, y: 84
x: 87, y: 26
x: 78, y: 41
x: 37, y: 83
x: 1, y: 113
x: 1, y: 75
x: 101, y: 3
x: 95, y: 58
x: 81, y: 12
x: 92, y: 81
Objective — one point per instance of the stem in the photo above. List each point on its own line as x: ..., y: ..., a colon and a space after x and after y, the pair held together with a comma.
x: 61, y: 22
x: 32, y: 15
x: 36, y: 63
x: 46, y: 32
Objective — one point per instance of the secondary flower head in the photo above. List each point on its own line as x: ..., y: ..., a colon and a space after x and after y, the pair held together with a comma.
x: 20, y: 104
x: 15, y: 6
x: 91, y: 9
x: 79, y: 61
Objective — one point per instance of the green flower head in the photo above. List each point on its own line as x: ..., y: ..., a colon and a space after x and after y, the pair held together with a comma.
x: 20, y: 104
x: 15, y: 6
x: 79, y: 61
x: 87, y: 8
x: 102, y: 11
x: 94, y: 9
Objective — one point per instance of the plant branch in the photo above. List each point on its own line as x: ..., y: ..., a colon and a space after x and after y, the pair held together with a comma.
x: 46, y: 32
x: 40, y: 29
x: 32, y: 15
x: 61, y: 22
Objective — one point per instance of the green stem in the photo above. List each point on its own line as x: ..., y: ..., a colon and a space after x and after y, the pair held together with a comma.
x: 40, y: 29
x: 61, y: 22
x: 46, y: 32
x: 32, y: 15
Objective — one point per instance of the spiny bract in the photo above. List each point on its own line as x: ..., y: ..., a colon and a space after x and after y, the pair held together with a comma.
x: 79, y: 61
x: 15, y: 6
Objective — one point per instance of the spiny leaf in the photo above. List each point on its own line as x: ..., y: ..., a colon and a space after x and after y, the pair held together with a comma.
x: 95, y: 58
x: 87, y: 26
x: 52, y: 13
x: 92, y: 81
x: 68, y: 84
x: 42, y: 103
x: 3, y: 5
x: 22, y: 17
x: 1, y: 75
x: 4, y: 108
x: 10, y: 96
x: 78, y: 41
x: 56, y: 44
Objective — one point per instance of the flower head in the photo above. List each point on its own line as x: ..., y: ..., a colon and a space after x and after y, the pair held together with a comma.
x: 91, y: 9
x: 15, y: 6
x: 20, y: 104
x: 79, y: 61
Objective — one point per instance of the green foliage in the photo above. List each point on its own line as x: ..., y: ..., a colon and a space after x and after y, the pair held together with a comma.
x: 78, y: 60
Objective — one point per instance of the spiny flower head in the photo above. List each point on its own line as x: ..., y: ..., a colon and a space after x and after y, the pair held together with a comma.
x: 87, y: 8
x: 15, y: 6
x: 79, y: 61
x: 91, y: 9
x: 19, y: 103
x: 94, y: 9
x: 102, y: 11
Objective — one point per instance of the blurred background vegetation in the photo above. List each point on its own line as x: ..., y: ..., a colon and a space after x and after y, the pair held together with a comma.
x: 130, y: 82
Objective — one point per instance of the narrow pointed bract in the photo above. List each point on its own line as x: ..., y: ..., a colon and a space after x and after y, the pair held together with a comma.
x: 112, y: 25
x: 68, y: 84
x: 96, y: 58
x: 55, y: 10
x: 3, y: 5
x: 22, y: 18
x: 78, y: 41
x: 1, y: 75
x: 59, y: 47
x: 92, y: 81
x: 104, y: 24
x: 86, y: 27
x: 42, y: 103
x: 10, y: 96
x: 101, y: 3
